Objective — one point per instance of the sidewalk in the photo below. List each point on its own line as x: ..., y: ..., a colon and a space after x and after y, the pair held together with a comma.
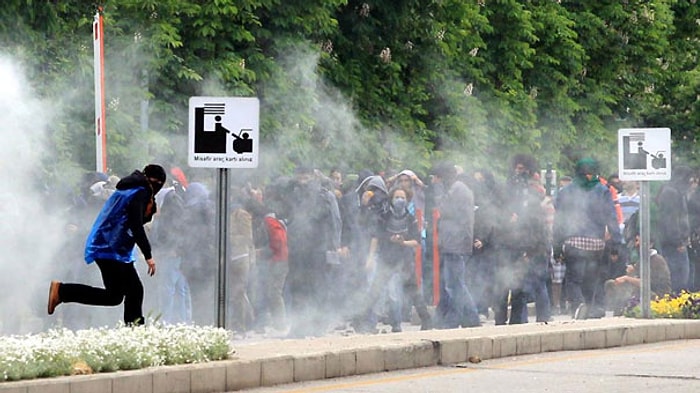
x: 276, y: 361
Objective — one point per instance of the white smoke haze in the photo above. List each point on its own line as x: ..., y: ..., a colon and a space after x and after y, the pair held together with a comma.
x: 319, y: 119
x: 30, y: 235
x: 41, y: 245
x: 41, y: 233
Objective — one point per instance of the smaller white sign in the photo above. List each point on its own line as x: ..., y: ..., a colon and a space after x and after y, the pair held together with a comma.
x: 644, y: 154
x: 223, y: 132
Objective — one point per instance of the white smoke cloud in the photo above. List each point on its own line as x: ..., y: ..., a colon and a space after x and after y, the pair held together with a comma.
x: 28, y: 233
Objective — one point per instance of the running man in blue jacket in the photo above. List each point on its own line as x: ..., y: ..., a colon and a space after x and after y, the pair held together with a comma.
x: 117, y: 229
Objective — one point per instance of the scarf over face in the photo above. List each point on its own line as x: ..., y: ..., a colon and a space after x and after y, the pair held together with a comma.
x: 586, y: 166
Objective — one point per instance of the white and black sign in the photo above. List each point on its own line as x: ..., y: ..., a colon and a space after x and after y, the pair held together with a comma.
x: 644, y: 154
x: 223, y: 132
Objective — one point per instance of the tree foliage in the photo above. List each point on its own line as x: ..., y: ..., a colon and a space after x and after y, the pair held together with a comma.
x: 376, y: 84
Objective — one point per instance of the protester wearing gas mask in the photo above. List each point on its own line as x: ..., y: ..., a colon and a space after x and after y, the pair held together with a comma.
x: 392, y: 247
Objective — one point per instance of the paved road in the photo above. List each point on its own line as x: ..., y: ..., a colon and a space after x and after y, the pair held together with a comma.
x: 667, y: 367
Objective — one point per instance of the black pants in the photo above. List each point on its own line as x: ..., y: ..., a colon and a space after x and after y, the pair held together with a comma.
x: 585, y: 276
x: 122, y: 283
x: 511, y: 278
x: 308, y: 287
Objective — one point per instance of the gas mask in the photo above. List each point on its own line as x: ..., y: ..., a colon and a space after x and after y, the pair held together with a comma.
x: 398, y: 205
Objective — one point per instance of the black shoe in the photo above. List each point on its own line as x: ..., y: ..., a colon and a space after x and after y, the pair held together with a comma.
x: 581, y: 311
x: 595, y: 313
x: 426, y: 324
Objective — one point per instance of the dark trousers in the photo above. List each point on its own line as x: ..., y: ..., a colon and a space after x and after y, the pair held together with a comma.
x: 456, y: 306
x: 408, y: 288
x: 308, y: 288
x: 512, y: 278
x: 122, y: 283
x: 585, y: 274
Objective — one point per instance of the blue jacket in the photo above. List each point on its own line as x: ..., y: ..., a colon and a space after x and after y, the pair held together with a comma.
x: 110, y: 237
x: 119, y: 225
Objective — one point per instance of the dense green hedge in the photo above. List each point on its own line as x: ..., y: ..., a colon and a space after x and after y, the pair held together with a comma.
x: 370, y: 83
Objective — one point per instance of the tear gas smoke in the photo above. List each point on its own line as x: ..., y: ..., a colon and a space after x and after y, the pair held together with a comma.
x: 29, y: 235
x: 41, y: 245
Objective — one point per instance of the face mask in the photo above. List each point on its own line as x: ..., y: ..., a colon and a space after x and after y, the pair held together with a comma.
x: 156, y: 186
x: 399, y: 204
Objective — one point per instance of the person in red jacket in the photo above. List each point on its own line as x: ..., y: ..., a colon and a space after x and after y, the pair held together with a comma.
x: 272, y: 254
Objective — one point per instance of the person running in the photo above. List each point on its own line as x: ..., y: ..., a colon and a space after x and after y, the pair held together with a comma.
x: 110, y: 244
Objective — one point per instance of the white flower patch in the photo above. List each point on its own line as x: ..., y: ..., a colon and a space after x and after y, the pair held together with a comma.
x: 57, y: 352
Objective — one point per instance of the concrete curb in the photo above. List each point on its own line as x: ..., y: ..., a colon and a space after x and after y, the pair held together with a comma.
x: 275, y: 362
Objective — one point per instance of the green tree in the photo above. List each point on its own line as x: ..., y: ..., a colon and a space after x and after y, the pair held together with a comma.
x: 366, y: 82
x: 622, y: 42
x: 679, y: 106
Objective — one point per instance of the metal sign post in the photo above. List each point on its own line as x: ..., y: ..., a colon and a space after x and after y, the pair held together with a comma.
x: 221, y: 230
x: 644, y: 264
x: 223, y: 134
x: 644, y: 155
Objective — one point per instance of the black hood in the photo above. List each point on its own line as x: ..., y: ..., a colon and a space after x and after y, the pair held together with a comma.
x: 134, y: 180
x: 680, y: 178
x: 375, y: 182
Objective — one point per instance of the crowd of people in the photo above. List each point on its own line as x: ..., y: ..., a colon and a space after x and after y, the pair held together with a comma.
x: 320, y: 250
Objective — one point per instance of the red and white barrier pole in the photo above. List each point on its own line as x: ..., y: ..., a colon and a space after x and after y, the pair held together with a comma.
x: 100, y: 127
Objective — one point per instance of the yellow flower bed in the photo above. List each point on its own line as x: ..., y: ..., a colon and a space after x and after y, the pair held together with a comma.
x: 686, y: 305
x: 669, y: 306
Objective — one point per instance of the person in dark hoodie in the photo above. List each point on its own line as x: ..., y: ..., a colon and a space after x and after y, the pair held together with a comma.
x: 673, y: 227
x: 117, y: 229
x: 585, y: 216
x: 313, y: 233
x: 455, y: 225
x: 392, y: 249
x: 199, y: 263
